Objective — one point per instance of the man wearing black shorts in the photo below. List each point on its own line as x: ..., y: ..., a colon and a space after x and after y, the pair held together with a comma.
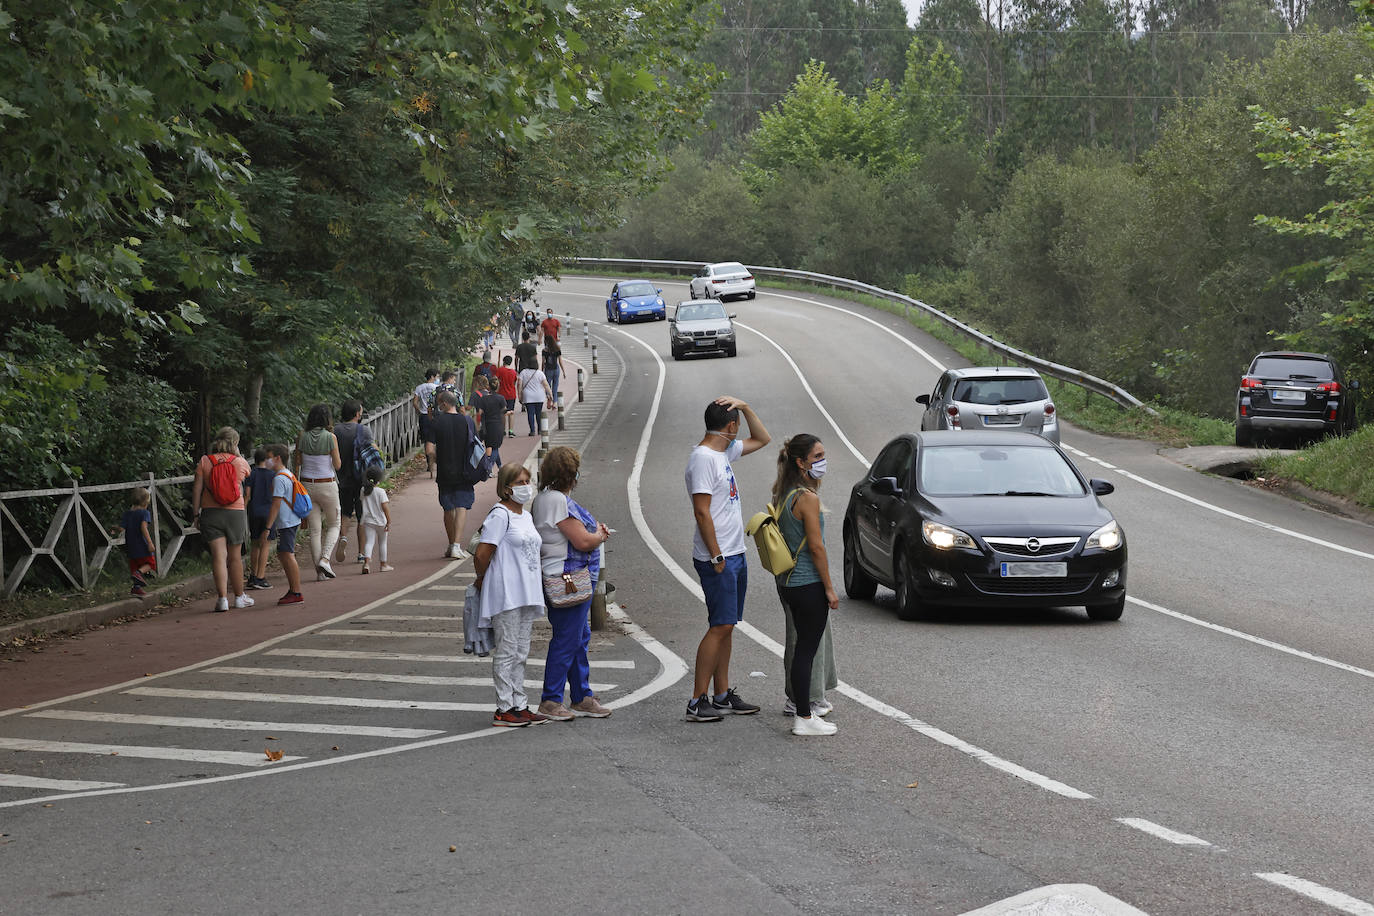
x: 352, y: 436
x: 450, y: 432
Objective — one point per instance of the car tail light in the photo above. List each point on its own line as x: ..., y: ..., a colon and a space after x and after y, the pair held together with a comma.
x: 1244, y: 411
x: 746, y: 277
x: 1049, y: 410
x: 1331, y: 415
x: 953, y: 413
x: 1249, y: 382
x: 1332, y: 387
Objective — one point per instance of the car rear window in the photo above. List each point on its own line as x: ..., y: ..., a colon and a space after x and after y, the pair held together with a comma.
x: 983, y: 470
x: 1000, y: 390
x: 731, y: 268
x: 1292, y: 367
x: 643, y: 288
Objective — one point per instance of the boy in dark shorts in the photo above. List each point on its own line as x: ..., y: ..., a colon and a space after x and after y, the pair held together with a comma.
x: 285, y: 522
x: 138, y: 541
x: 259, y: 492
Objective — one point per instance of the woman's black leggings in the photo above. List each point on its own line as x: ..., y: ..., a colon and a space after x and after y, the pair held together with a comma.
x: 810, y: 611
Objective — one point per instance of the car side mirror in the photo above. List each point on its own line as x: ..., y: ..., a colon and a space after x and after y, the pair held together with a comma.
x: 732, y: 316
x: 886, y: 486
x: 659, y: 291
x: 1101, y: 487
x: 923, y: 399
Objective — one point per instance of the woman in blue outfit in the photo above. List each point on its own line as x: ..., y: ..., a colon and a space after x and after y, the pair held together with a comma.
x: 571, y: 542
x: 806, y: 588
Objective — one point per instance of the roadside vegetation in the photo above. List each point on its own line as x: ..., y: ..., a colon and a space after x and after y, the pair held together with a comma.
x: 1344, y: 466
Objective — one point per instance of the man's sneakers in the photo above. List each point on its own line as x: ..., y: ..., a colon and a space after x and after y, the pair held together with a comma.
x: 589, y: 707
x: 701, y: 710
x: 456, y: 552
x: 242, y: 601
x: 732, y: 703
x: 221, y: 605
x: 812, y: 727
x: 291, y: 598
x: 255, y: 582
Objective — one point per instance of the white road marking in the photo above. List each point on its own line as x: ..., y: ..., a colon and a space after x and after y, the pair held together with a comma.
x: 1162, y: 832
x: 1334, y: 899
x: 390, y: 634
x: 15, y: 781
x: 410, y: 617
x: 433, y: 680
x: 310, y: 700
x: 430, y: 602
x: 1059, y: 900
x: 772, y: 645
x: 671, y: 667
x: 234, y: 758
x: 442, y: 659
x: 311, y: 728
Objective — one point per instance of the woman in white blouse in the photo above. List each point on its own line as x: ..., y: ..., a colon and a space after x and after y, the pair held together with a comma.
x: 507, y: 564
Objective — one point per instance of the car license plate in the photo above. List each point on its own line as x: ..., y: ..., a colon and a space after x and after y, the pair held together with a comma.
x: 1283, y: 394
x: 1034, y: 570
x: 1002, y: 420
x: 706, y: 343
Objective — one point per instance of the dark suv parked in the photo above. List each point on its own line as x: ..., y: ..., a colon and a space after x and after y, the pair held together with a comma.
x: 1303, y: 393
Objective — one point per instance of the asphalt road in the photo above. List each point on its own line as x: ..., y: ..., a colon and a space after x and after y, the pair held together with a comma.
x: 1206, y: 754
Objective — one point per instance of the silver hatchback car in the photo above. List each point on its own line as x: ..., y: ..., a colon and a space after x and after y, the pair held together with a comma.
x: 991, y: 397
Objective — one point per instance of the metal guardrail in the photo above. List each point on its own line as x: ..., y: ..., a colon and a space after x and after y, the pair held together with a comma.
x: 1092, y: 383
x: 81, y: 557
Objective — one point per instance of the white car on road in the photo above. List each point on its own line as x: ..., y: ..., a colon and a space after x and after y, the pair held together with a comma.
x: 726, y: 280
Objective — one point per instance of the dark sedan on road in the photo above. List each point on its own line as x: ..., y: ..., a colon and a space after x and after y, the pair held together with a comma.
x: 701, y: 326
x: 633, y: 300
x: 983, y: 519
x: 1303, y: 393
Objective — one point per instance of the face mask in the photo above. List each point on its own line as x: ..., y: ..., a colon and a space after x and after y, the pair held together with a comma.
x: 726, y: 436
x: 817, y: 469
x: 522, y: 494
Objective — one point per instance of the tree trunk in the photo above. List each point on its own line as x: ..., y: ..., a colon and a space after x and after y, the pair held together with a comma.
x: 253, y: 409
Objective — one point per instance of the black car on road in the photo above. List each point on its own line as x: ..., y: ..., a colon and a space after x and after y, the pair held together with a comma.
x: 983, y: 518
x: 1304, y: 393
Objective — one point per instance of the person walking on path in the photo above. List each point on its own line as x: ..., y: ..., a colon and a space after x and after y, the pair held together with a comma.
x: 138, y: 541
x: 491, y: 417
x: 506, y: 567
x: 718, y: 551
x: 284, y: 520
x: 508, y: 386
x: 515, y: 320
x: 317, y: 465
x: 550, y: 328
x: 421, y: 399
x: 217, y: 509
x: 375, y: 520
x: 354, y: 437
x: 527, y: 354
x: 485, y: 368
x: 805, y: 589
x: 259, y: 510
x: 531, y: 324
x: 553, y: 364
x: 535, y: 394
x: 451, y: 434
x: 571, y: 542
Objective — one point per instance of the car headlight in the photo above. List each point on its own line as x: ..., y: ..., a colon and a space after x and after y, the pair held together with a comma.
x: 1108, y: 537
x: 730, y: 333
x: 660, y: 303
x: 943, y: 537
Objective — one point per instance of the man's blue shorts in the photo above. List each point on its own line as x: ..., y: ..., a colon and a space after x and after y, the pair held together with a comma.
x: 456, y: 498
x: 286, y: 539
x: 724, y: 590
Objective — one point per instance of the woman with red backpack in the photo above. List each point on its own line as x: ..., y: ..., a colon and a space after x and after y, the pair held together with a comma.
x: 218, y: 511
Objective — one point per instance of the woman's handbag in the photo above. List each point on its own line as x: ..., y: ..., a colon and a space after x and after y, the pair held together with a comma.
x: 569, y: 588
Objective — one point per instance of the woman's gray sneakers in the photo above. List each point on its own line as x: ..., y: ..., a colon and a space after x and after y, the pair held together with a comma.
x: 702, y: 710
x: 733, y: 703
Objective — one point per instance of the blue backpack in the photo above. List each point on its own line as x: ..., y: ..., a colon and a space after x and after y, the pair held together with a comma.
x: 301, y: 504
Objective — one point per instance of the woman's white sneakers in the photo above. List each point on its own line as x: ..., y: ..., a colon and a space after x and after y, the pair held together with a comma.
x: 814, y: 726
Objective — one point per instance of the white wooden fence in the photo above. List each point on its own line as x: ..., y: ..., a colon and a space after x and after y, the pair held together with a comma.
x: 77, y: 542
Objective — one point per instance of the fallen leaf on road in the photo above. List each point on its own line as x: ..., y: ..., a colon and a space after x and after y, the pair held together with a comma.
x: 271, y: 737
x: 114, y: 753
x: 334, y: 748
x: 453, y: 849
x: 912, y: 785
x: 273, y: 755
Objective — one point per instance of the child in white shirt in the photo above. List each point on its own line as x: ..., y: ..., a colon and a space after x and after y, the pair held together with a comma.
x: 376, y: 520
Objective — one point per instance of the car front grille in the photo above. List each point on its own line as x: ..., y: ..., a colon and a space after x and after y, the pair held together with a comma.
x: 1020, y: 547
x: 1069, y: 585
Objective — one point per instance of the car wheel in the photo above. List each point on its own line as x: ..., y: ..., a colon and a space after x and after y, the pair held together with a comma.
x: 1245, y: 436
x: 1111, y: 611
x: 908, y: 603
x: 751, y: 295
x: 857, y: 583
x: 692, y: 291
x: 730, y: 351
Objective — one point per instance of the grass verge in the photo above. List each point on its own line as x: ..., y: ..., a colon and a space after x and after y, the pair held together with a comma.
x: 113, y: 584
x: 1343, y: 466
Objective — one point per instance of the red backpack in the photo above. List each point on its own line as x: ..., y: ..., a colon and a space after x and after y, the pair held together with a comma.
x: 225, y: 486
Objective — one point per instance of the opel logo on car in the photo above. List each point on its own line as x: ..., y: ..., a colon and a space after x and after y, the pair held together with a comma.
x: 1033, y: 545
x: 1001, y: 410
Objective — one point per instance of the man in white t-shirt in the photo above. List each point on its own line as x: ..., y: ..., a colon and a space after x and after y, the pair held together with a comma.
x: 718, y: 551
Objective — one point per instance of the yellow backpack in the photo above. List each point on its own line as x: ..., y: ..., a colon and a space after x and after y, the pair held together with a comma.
x: 763, y: 527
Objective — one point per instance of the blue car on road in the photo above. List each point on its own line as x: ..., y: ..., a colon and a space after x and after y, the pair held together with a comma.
x: 633, y: 300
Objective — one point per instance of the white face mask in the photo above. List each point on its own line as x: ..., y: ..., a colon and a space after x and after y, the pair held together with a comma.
x: 522, y: 494
x: 817, y: 469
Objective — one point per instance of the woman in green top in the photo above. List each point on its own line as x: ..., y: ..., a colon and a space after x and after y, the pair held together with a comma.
x: 317, y: 465
x: 805, y: 589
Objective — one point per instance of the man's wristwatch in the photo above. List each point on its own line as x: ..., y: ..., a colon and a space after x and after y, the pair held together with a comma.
x: 718, y: 559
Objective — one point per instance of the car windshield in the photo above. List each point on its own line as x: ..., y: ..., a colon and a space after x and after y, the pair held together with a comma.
x: 699, y: 311
x: 731, y: 268
x: 999, y: 390
x: 1001, y: 470
x: 1292, y: 367
x: 639, y: 288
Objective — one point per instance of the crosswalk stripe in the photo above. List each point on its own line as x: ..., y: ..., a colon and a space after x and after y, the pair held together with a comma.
x: 407, y: 617
x: 429, y: 602
x: 410, y: 657
x: 312, y: 728
x: 16, y: 781
x: 426, y: 679
x: 446, y: 588
x: 236, y: 758
x: 418, y: 634
x: 309, y: 700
